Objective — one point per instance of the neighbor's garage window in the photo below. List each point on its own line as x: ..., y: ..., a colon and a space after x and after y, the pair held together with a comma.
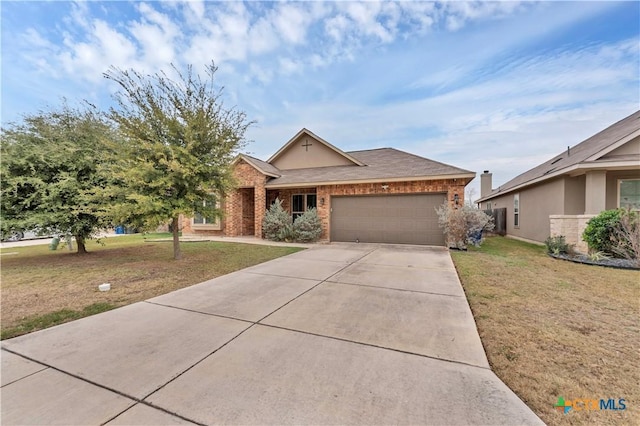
x: 301, y: 203
x: 629, y: 193
x: 516, y: 210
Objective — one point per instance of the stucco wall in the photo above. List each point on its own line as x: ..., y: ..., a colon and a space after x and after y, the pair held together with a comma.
x: 314, y: 154
x: 630, y: 148
x: 536, y: 204
x: 574, y: 195
x: 612, y: 185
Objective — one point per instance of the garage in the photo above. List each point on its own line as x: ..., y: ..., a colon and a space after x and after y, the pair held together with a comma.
x: 393, y: 219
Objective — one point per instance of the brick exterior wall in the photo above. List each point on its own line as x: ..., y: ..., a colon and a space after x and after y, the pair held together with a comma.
x: 246, y: 176
x: 449, y: 186
x: 285, y: 195
x: 236, y: 221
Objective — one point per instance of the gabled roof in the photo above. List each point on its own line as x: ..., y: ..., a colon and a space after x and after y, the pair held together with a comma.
x: 382, y: 165
x: 261, y: 166
x: 319, y: 139
x: 586, y: 154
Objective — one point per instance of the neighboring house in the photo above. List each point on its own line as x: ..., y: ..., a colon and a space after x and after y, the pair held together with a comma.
x: 561, y: 195
x: 378, y: 195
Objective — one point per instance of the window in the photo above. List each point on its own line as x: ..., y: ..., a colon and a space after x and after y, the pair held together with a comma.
x: 516, y: 210
x: 301, y: 203
x: 488, y: 205
x: 629, y: 193
x: 205, y: 218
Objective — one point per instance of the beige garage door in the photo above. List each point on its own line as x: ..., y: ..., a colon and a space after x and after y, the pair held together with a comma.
x: 396, y: 219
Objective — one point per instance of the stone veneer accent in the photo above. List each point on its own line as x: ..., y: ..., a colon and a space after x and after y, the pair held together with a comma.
x: 571, y: 227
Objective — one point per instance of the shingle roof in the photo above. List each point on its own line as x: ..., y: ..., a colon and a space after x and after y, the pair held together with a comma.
x: 262, y: 166
x: 381, y: 164
x: 575, y: 155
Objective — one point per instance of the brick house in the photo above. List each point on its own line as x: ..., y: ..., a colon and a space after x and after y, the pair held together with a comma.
x: 379, y: 195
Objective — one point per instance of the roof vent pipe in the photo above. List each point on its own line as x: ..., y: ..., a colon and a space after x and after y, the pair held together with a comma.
x: 568, y: 151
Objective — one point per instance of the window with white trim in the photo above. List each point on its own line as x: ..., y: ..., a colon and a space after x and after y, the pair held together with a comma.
x: 516, y: 210
x: 202, y: 220
x: 300, y: 203
x: 629, y: 193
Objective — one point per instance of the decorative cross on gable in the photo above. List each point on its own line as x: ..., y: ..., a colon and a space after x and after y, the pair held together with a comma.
x: 306, y: 144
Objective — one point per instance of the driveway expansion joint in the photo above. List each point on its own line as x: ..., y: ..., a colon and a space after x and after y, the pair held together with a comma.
x: 342, y: 339
x: 198, y: 312
x: 44, y: 367
x: 281, y: 276
x: 396, y: 289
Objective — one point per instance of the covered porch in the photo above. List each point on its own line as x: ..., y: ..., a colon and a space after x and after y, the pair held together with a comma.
x: 603, y: 190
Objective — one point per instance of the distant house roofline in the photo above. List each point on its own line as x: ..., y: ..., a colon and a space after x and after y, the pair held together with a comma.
x: 579, y: 158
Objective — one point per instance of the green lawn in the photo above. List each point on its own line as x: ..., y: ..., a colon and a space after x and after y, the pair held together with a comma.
x: 41, y: 288
x: 553, y: 328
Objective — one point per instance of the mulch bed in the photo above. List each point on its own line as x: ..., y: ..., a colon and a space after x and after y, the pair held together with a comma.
x: 608, y: 263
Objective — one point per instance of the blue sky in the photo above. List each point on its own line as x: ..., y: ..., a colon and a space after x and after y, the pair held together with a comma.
x: 480, y: 85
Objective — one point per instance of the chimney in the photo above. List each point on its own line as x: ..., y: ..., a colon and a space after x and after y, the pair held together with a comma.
x: 485, y: 184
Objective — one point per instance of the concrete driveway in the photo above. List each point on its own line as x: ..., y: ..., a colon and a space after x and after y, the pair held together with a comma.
x: 337, y: 334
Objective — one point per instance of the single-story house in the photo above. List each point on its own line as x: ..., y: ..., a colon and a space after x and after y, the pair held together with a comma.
x: 559, y: 196
x: 377, y: 195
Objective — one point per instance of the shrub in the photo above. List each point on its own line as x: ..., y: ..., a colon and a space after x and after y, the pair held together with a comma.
x: 599, y: 232
x: 307, y: 227
x: 276, y: 225
x: 626, y: 236
x: 557, y: 245
x: 463, y: 225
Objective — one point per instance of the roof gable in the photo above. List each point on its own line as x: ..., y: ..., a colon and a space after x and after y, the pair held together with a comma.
x: 307, y: 150
x: 261, y: 166
x: 583, y: 154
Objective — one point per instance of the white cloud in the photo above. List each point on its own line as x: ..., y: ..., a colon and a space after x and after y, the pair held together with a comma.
x: 289, y: 66
x: 104, y: 47
x: 291, y: 22
x: 156, y: 36
x: 414, y: 75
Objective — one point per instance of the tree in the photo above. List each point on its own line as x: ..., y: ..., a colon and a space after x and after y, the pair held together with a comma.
x: 179, y: 141
x: 52, y: 165
x: 469, y: 196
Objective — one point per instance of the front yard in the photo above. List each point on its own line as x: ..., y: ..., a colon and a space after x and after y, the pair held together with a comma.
x: 42, y: 288
x: 553, y: 329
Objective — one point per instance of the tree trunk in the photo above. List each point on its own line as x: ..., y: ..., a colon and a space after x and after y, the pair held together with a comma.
x: 177, y: 254
x: 80, y: 243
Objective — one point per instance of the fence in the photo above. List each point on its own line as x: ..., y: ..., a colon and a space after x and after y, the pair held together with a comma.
x: 499, y: 220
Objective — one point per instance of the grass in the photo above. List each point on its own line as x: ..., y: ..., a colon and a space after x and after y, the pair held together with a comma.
x: 553, y: 328
x: 42, y: 288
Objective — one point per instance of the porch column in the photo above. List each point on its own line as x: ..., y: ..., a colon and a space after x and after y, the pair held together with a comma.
x: 260, y: 206
x: 595, y: 192
x: 233, y: 214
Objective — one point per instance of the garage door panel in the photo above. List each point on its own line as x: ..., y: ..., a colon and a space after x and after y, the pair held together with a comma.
x: 396, y: 219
